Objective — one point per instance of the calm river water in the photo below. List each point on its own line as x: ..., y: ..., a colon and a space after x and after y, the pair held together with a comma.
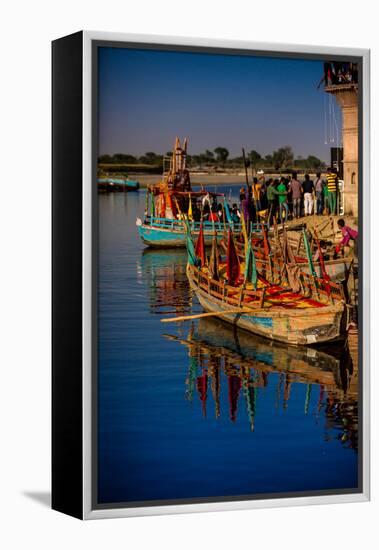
x: 196, y: 410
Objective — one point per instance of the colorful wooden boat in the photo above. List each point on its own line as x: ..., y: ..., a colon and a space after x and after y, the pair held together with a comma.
x: 315, y: 313
x: 171, y: 205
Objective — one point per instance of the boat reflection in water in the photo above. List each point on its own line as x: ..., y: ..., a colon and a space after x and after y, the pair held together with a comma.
x: 247, y: 365
x: 168, y: 285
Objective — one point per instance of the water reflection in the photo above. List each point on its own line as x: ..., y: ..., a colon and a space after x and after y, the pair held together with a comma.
x: 285, y: 421
x: 168, y: 287
x: 248, y: 365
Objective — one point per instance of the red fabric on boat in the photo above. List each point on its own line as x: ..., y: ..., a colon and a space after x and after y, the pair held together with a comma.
x: 232, y: 261
x: 322, y: 263
x: 200, y: 246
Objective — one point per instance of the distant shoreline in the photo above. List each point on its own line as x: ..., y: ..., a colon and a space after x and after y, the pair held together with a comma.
x: 196, y: 179
x: 202, y: 179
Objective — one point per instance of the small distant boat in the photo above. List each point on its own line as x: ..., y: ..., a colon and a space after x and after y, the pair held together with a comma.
x: 172, y: 207
x: 314, y: 312
x: 117, y: 184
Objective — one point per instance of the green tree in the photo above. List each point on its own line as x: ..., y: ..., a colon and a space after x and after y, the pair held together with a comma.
x: 122, y: 158
x: 254, y: 157
x: 208, y: 156
x: 221, y: 154
x: 268, y: 160
x: 151, y: 157
x: 283, y: 158
x: 314, y: 162
x: 105, y: 159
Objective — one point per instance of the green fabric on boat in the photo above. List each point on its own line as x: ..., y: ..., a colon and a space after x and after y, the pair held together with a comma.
x: 251, y: 274
x: 309, y: 254
x: 192, y: 260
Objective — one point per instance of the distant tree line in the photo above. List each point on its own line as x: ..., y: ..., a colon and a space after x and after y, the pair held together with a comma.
x: 280, y: 159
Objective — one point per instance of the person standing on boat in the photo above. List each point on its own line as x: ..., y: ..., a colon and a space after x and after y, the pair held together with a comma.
x: 319, y: 188
x: 308, y: 189
x: 235, y: 214
x: 213, y: 216
x: 252, y: 211
x: 220, y: 212
x: 244, y: 198
x: 332, y: 182
x: 297, y: 191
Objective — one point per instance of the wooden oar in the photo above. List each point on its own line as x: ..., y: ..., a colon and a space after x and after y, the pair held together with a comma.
x: 201, y: 315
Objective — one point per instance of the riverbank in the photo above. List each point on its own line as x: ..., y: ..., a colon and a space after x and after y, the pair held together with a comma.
x: 196, y: 179
x: 204, y: 179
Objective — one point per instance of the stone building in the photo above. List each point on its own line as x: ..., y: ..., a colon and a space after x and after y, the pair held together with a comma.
x: 344, y: 86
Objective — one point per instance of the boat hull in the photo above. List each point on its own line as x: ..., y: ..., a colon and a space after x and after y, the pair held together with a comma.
x: 305, y: 326
x: 162, y: 237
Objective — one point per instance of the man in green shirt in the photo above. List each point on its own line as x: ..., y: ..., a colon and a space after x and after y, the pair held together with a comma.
x: 271, y: 194
x: 276, y: 190
x: 282, y: 196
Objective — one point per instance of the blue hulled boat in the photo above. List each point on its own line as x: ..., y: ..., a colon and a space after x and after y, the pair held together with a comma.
x: 164, y: 232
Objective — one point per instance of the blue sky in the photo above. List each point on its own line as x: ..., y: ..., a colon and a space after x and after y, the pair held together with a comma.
x: 146, y: 98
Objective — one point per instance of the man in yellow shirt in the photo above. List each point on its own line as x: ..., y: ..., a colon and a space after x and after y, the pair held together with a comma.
x: 332, y: 183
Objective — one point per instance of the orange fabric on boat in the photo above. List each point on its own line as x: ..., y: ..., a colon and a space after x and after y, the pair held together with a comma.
x: 161, y: 206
